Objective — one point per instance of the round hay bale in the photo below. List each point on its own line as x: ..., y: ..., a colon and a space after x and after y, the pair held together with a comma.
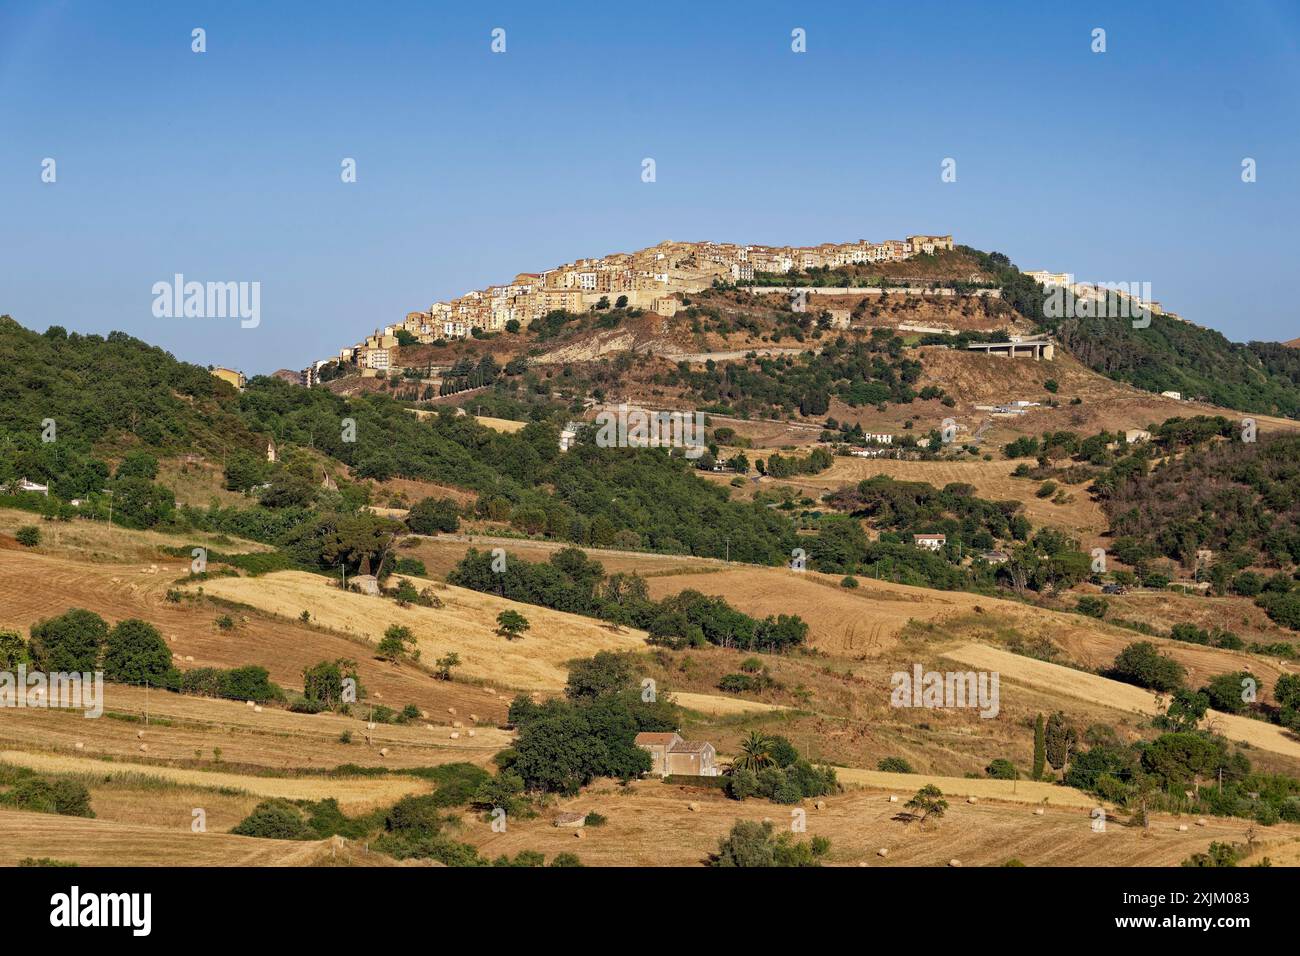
x: 370, y: 726
x: 257, y: 709
x: 577, y: 834
x: 1039, y: 812
x: 972, y: 799
x: 251, y: 704
x: 424, y: 715
x: 820, y: 805
x: 471, y: 733
x: 457, y: 724
x: 144, y: 748
x: 383, y: 751
x: 954, y: 862
x: 428, y: 726
x: 883, y: 851
x: 863, y: 863
x: 79, y: 745
x: 454, y: 735
x: 189, y: 659
x: 893, y: 799
x: 1202, y: 822
x: 378, y: 696
x: 473, y: 717
x: 693, y: 807
x: 451, y: 710
x: 1182, y: 828
x: 139, y: 735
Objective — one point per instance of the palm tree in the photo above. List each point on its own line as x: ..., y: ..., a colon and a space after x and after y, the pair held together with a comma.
x: 755, y: 753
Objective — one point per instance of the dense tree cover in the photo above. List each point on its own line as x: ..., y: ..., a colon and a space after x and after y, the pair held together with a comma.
x: 24, y: 789
x: 250, y: 682
x: 915, y: 507
x: 1045, y: 561
x: 858, y: 373
x: 131, y: 652
x: 753, y: 844
x: 141, y: 398
x: 769, y: 766
x: 781, y: 466
x: 564, y: 743
x: 71, y: 642
x: 1166, y: 355
x: 1158, y: 774
x: 1143, y: 664
x: 1228, y: 496
x: 433, y: 515
x: 571, y: 581
x: 467, y: 374
x: 103, y: 394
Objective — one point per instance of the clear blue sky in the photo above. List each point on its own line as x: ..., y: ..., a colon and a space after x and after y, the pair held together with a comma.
x: 1122, y: 166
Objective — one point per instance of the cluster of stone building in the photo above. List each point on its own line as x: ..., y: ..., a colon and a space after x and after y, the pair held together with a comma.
x: 649, y: 279
x: 652, y: 279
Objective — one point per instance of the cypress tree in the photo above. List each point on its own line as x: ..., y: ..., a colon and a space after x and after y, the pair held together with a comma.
x: 1040, y: 748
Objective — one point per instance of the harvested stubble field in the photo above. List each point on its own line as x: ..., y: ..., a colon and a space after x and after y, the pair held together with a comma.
x: 465, y: 624
x: 441, y: 553
x: 1089, y: 687
x: 34, y: 586
x: 110, y: 843
x: 353, y: 794
x: 98, y: 541
x: 859, y: 622
x: 716, y: 705
x: 959, y: 788
x: 651, y: 825
x: 183, y: 726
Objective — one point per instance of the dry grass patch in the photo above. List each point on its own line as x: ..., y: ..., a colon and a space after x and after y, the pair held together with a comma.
x: 465, y: 624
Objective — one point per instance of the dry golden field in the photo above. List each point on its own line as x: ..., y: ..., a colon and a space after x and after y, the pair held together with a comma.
x: 1068, y: 682
x: 284, y: 647
x: 465, y: 624
x: 652, y: 825
x: 353, y: 794
x: 144, y: 797
x: 190, y: 730
x: 109, y: 843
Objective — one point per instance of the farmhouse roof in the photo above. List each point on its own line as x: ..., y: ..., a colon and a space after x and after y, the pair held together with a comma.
x: 648, y: 739
x: 691, y: 746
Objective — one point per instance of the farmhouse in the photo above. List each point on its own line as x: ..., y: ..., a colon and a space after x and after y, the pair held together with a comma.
x: 931, y: 542
x: 669, y: 754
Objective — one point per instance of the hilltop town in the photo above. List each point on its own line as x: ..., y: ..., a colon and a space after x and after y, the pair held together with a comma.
x: 653, y: 279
